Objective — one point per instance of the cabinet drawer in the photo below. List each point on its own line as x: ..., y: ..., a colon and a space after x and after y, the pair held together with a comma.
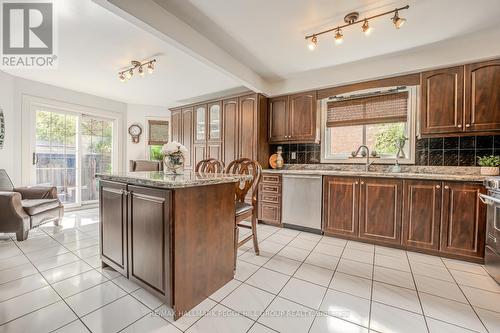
x: 270, y: 188
x: 273, y: 179
x: 270, y: 212
x: 271, y: 198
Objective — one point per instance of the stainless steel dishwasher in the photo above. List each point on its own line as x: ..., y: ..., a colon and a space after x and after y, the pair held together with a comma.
x: 302, y: 198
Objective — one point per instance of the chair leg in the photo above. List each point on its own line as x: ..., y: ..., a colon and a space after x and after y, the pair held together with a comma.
x: 22, y: 235
x: 57, y: 222
x: 236, y: 241
x: 254, y: 235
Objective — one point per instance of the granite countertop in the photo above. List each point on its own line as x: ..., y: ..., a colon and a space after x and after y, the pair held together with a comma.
x: 172, y: 181
x: 470, y: 174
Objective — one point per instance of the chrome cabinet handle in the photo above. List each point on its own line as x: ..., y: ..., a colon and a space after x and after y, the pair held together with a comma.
x: 446, y: 187
x: 356, y: 182
x: 362, y: 183
x: 459, y: 125
x: 467, y: 125
x: 438, y: 186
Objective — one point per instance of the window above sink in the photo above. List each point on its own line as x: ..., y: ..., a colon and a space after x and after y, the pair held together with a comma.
x: 373, y: 118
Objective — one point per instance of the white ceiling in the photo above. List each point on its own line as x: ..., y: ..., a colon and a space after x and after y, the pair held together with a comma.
x: 95, y: 43
x: 269, y: 35
x: 205, y: 47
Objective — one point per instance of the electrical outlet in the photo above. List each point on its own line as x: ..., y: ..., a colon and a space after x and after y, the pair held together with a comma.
x: 294, y: 155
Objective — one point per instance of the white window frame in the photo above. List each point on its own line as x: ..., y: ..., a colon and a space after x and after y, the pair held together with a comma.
x: 29, y: 106
x: 327, y: 157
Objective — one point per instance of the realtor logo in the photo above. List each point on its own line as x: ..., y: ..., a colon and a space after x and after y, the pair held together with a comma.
x: 28, y: 34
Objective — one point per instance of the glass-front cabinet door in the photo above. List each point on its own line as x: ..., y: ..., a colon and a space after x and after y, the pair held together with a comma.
x: 214, y: 118
x: 200, y: 121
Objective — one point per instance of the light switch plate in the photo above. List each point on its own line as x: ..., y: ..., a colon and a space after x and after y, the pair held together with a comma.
x: 294, y: 155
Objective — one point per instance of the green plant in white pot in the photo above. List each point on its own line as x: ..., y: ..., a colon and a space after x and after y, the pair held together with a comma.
x: 489, y: 165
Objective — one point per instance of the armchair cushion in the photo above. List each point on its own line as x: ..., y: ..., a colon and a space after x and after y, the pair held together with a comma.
x: 37, y: 206
x: 37, y: 192
x: 242, y: 208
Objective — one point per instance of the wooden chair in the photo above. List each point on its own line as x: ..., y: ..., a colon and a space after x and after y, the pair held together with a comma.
x: 245, y: 210
x: 210, y: 165
x: 145, y: 165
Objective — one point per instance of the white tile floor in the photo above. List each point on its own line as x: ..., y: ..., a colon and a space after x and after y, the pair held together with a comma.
x: 300, y: 283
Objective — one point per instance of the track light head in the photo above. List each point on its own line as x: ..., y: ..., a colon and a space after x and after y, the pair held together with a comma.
x: 141, y: 71
x: 151, y: 67
x: 398, y: 21
x: 312, y: 43
x: 129, y: 74
x: 122, y: 77
x: 339, y: 37
x: 366, y: 28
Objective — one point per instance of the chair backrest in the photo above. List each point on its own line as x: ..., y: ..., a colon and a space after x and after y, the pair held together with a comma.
x: 5, y: 182
x: 144, y: 165
x: 210, y: 165
x: 246, y: 166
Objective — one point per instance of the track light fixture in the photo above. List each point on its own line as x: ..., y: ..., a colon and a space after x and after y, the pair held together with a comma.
x: 352, y: 19
x: 127, y: 74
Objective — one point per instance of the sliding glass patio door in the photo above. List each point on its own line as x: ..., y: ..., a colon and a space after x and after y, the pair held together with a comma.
x: 69, y: 149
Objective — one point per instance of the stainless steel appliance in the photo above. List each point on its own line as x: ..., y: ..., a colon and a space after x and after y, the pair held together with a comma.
x: 302, y: 195
x: 492, y: 251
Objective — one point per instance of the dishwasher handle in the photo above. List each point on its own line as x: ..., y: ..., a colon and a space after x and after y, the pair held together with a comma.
x: 488, y: 200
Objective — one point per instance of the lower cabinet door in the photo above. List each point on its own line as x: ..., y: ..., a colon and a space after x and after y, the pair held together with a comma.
x: 149, y: 238
x: 464, y: 220
x: 199, y: 152
x: 422, y: 214
x: 380, y: 209
x: 113, y: 217
x: 340, y: 205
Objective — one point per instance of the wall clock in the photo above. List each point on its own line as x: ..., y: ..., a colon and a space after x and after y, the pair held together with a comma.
x: 135, y: 132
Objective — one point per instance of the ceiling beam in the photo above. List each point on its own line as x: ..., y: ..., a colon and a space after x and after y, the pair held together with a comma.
x: 155, y: 19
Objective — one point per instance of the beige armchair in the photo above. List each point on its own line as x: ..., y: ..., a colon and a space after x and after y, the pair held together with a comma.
x: 145, y: 165
x: 26, y: 207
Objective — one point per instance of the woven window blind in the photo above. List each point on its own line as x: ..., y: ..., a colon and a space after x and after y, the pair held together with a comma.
x: 388, y: 108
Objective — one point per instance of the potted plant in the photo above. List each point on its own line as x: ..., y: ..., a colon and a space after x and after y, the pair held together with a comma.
x: 174, y: 153
x: 489, y: 165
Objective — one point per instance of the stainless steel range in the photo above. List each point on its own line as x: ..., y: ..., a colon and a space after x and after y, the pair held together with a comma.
x: 492, y: 252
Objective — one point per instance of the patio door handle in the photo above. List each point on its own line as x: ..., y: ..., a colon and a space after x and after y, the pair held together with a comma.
x: 35, y: 159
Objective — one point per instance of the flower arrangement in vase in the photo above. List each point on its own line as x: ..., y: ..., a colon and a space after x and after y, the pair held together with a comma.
x: 174, y: 154
x: 489, y: 165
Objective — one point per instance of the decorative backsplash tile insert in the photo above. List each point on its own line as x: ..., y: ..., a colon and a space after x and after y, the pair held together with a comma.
x: 305, y: 153
x: 461, y: 151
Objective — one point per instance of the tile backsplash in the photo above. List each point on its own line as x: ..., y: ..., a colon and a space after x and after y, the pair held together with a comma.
x: 461, y: 151
x: 304, y: 153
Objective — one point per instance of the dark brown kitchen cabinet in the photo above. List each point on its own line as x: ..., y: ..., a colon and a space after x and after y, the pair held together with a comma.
x: 422, y: 214
x: 340, y: 206
x: 226, y: 129
x: 269, y: 205
x: 230, y: 129
x: 482, y: 96
x: 199, y: 153
x: 380, y: 209
x: 113, y: 233
x: 176, y: 125
x: 442, y: 101
x: 187, y: 136
x: 293, y: 118
x: 278, y: 124
x: 149, y: 238
x: 461, y: 100
x: 463, y: 220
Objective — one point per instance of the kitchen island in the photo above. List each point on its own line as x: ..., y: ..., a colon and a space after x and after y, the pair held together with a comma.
x: 173, y: 235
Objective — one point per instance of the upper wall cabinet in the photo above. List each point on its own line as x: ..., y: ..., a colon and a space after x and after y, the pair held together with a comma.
x: 442, y: 101
x: 214, y: 121
x: 293, y: 118
x: 461, y: 100
x: 200, y: 123
x: 482, y: 96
